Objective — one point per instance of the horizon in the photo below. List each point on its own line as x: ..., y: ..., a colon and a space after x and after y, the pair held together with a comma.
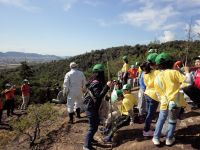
x: 74, y: 27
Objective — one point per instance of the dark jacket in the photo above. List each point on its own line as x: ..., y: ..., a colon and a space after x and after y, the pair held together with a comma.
x: 98, y: 92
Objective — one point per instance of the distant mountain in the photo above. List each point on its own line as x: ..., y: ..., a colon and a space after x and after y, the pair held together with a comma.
x: 13, y: 57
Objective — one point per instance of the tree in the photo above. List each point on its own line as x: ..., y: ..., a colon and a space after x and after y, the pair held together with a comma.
x: 31, y: 124
x: 25, y: 70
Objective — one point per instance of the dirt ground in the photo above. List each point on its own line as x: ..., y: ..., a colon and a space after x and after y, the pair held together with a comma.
x: 64, y: 136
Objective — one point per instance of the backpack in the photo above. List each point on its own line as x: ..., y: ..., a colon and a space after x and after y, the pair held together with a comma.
x: 197, y: 79
x: 89, y: 100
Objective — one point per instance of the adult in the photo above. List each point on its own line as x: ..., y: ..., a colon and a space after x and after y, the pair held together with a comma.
x: 25, y: 89
x: 9, y: 94
x: 73, y: 87
x: 97, y: 89
x: 193, y: 91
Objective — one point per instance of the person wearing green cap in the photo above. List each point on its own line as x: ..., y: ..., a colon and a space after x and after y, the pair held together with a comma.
x: 126, y: 113
x: 124, y: 70
x: 167, y: 85
x: 96, y: 90
x: 150, y: 94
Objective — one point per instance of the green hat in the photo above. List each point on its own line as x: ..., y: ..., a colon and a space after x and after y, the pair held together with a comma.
x: 125, y: 58
x: 98, y: 68
x: 152, y: 57
x: 127, y: 87
x: 119, y: 92
x: 163, y: 57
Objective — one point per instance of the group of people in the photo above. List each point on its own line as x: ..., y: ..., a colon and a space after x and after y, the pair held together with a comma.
x: 9, y: 96
x: 160, y: 83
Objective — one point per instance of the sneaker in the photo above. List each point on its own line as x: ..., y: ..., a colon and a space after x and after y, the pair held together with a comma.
x: 107, y: 139
x: 104, y: 130
x: 169, y: 142
x: 156, y: 141
x: 94, y: 141
x: 148, y: 133
x: 86, y: 148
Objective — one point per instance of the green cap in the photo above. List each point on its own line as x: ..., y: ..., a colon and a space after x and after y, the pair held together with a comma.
x: 152, y: 57
x: 125, y: 58
x: 163, y: 57
x: 119, y: 92
x: 127, y: 87
x: 98, y: 68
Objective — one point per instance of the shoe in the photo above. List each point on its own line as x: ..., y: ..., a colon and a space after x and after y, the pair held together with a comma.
x: 103, y: 130
x: 169, y: 142
x: 107, y: 139
x: 86, y: 148
x: 94, y: 141
x: 148, y: 133
x: 156, y: 141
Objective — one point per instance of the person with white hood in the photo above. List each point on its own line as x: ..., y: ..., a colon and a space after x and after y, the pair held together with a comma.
x: 73, y: 87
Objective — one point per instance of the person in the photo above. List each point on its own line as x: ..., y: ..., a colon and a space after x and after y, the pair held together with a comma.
x: 167, y: 85
x: 150, y: 94
x: 126, y: 111
x: 1, y: 109
x: 25, y: 89
x: 9, y: 93
x: 124, y: 70
x: 73, y: 87
x: 96, y: 90
x: 193, y: 90
x: 141, y: 96
x: 132, y: 72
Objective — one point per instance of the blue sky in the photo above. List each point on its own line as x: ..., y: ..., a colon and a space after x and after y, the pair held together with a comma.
x: 72, y: 27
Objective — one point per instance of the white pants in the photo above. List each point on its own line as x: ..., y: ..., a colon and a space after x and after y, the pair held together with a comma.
x: 74, y: 102
x: 25, y: 102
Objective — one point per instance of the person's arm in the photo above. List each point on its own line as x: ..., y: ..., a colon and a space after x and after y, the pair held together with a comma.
x: 66, y: 85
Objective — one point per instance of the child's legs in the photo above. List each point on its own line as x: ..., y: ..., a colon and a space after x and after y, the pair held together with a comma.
x: 173, y: 116
x: 159, y: 125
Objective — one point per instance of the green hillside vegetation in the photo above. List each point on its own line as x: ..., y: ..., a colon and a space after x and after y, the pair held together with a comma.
x: 48, y: 74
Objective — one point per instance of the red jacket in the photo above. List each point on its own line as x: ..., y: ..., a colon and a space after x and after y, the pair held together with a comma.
x: 25, y: 88
x: 1, y: 104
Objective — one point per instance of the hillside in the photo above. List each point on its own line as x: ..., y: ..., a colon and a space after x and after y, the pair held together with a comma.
x: 13, y: 57
x: 51, y: 73
x: 63, y: 136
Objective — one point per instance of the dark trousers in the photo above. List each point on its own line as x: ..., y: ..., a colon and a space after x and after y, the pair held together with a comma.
x: 10, y: 106
x: 193, y: 93
x: 93, y: 118
x: 151, y: 106
x: 1, y: 112
x: 120, y: 122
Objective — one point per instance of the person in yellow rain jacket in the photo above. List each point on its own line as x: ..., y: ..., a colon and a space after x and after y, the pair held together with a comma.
x: 124, y: 70
x: 126, y: 110
x: 167, y: 85
x: 150, y: 93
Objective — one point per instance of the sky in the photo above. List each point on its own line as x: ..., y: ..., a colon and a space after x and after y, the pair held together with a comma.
x: 72, y: 27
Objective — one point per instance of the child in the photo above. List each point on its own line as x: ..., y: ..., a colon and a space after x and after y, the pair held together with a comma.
x: 167, y: 85
x: 126, y: 110
x: 150, y: 93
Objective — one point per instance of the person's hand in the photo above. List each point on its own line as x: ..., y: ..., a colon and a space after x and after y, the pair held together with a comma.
x: 109, y: 83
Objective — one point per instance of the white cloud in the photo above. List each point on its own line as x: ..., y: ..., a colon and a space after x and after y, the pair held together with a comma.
x: 68, y: 4
x: 19, y: 3
x: 167, y: 36
x: 154, y: 19
x: 196, y: 27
